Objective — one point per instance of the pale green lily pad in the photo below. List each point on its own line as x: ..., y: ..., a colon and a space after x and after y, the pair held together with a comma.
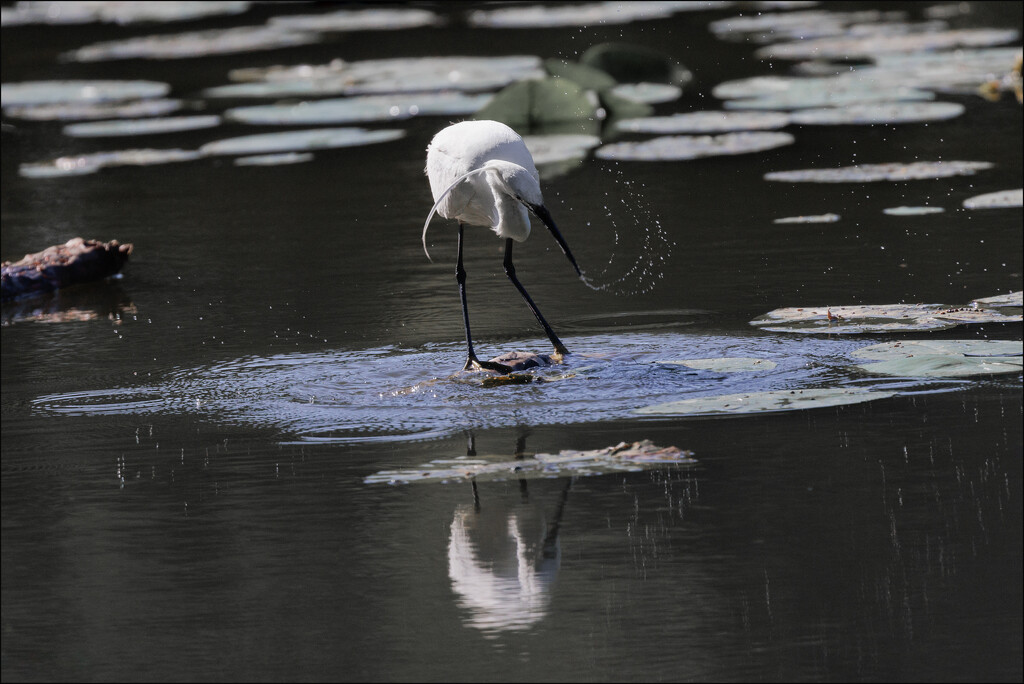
x: 819, y: 218
x: 586, y: 14
x: 996, y: 200
x: 967, y: 314
x: 313, y: 139
x: 879, y: 113
x: 683, y: 147
x: 274, y: 159
x: 803, y: 25
x: 912, y: 211
x: 623, y: 457
x: 1013, y: 299
x: 867, y: 46
x: 53, y: 92
x: 76, y: 111
x: 174, y: 124
x: 120, y: 13
x: 580, y: 74
x: 726, y: 364
x: 955, y: 360
x: 371, y: 19
x: 194, y: 44
x: 902, y: 349
x: 360, y: 109
x: 648, y: 93
x: 396, y: 75
x: 553, y: 149
x: 867, y: 173
x: 539, y: 102
x: 793, y: 92
x: 91, y: 163
x: 763, y: 402
x: 959, y: 71
x: 705, y: 122
x: 855, y: 319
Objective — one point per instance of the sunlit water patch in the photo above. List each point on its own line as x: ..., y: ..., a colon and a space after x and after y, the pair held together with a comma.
x: 389, y: 393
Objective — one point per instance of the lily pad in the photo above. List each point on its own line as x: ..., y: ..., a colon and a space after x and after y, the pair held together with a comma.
x: 794, y: 92
x: 554, y: 154
x: 52, y: 92
x: 867, y: 173
x: 771, y: 26
x: 726, y: 364
x: 631, y: 63
x: 879, y: 113
x: 1013, y: 299
x: 536, y: 102
x: 943, y: 366
x: 586, y: 14
x: 648, y: 93
x: 312, y: 139
x: 73, y: 111
x: 623, y: 457
x: 764, y: 402
x: 580, y: 74
x: 274, y: 159
x: 912, y: 211
x: 867, y: 46
x: 120, y: 13
x: 967, y: 314
x: 705, y: 122
x: 101, y: 129
x: 360, y: 109
x: 91, y: 163
x: 819, y: 218
x: 375, y: 19
x: 902, y: 349
x: 854, y: 319
x: 682, y: 147
x: 996, y: 200
x: 194, y: 44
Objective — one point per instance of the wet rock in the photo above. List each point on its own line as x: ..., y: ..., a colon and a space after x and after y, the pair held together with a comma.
x: 76, y: 261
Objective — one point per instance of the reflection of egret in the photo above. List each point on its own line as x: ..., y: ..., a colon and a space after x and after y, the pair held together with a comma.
x: 504, y: 564
x: 481, y: 173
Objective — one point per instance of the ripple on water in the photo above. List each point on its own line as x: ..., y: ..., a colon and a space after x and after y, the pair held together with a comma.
x: 388, y: 393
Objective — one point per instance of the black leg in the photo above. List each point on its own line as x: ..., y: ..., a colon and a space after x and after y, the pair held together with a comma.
x: 510, y: 271
x: 471, y: 360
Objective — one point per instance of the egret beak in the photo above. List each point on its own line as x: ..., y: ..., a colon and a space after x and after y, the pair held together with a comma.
x: 544, y: 215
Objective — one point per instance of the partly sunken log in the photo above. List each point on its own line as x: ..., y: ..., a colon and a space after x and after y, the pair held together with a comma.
x: 76, y: 261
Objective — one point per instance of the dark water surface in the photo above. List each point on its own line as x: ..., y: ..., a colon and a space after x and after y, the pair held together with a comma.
x: 183, y: 464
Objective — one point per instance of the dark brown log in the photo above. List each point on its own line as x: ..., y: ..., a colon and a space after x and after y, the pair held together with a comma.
x: 76, y: 261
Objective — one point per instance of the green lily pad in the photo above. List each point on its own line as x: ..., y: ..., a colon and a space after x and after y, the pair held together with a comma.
x: 705, y: 122
x: 868, y: 173
x: 1013, y: 299
x: 902, y: 349
x: 359, y: 109
x: 72, y: 111
x: 194, y: 44
x: 631, y: 63
x: 274, y: 159
x: 854, y: 319
x: 682, y: 147
x: 52, y: 92
x: 554, y: 154
x: 792, y: 92
x: 370, y: 19
x: 879, y: 113
x: 648, y: 93
x: 943, y: 358
x: 623, y: 457
x: 872, y: 44
x: 583, y: 14
x: 819, y: 218
x: 726, y: 364
x: 770, y: 27
x: 537, y: 102
x: 312, y: 139
x: 912, y: 211
x: 763, y: 402
x: 967, y: 314
x: 91, y: 163
x: 996, y: 200
x: 120, y: 13
x: 580, y: 74
x: 117, y: 127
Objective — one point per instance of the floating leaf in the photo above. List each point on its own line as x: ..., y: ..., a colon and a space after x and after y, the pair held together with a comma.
x: 623, y: 457
x: 772, y: 26
x: 763, y: 402
x: 879, y: 113
x: 586, y: 14
x: 854, y: 319
x: 52, y: 92
x: 902, y: 349
x: 582, y: 75
x: 868, y: 46
x: 313, y: 139
x: 705, y: 122
x: 912, y: 211
x: 99, y: 129
x: 1013, y: 299
x: 121, y: 13
x: 820, y: 218
x: 996, y: 200
x: 682, y: 147
x: 70, y: 111
x: 359, y: 20
x: 867, y: 173
x: 194, y: 44
x: 792, y: 92
x: 359, y: 109
x: 274, y: 159
x: 91, y: 163
x: 648, y: 93
x: 554, y: 154
x: 537, y: 102
x: 943, y: 366
x: 726, y: 364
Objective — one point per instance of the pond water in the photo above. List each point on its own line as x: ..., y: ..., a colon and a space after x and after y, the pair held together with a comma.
x: 186, y: 447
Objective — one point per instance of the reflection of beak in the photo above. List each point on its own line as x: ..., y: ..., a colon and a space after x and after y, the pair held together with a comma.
x: 544, y: 215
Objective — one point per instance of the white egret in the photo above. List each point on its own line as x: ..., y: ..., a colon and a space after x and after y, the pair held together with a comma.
x: 481, y: 173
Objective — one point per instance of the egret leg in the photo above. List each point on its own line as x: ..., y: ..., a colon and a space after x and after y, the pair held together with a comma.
x: 471, y: 361
x: 510, y: 271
